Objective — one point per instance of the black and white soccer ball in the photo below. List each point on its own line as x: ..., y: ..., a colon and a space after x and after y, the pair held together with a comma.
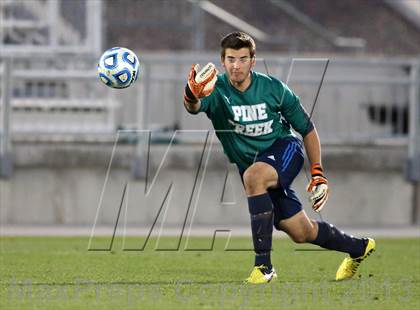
x: 118, y: 67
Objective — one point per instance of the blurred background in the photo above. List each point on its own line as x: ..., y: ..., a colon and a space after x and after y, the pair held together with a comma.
x: 74, y: 153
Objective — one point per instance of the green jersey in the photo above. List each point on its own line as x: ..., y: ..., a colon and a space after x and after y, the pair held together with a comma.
x: 247, y: 123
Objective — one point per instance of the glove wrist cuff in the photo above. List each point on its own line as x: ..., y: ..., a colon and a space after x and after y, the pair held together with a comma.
x: 316, y: 165
x: 316, y: 170
x: 189, y: 96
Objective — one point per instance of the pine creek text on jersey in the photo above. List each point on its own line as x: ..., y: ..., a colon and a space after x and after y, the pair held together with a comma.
x: 248, y: 113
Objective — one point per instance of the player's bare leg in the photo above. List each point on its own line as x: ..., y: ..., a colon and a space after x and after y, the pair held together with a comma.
x: 302, y: 229
x: 257, y: 179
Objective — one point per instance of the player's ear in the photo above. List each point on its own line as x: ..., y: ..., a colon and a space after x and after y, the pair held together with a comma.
x: 253, y: 61
x: 222, y: 61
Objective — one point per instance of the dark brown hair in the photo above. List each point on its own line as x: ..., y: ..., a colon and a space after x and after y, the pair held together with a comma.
x: 237, y: 40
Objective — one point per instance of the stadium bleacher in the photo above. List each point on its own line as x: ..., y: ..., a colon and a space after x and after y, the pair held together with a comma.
x: 61, y: 91
x: 150, y: 26
x: 147, y: 24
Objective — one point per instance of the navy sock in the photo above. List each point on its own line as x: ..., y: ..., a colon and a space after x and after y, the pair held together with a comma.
x: 261, y: 210
x: 329, y: 237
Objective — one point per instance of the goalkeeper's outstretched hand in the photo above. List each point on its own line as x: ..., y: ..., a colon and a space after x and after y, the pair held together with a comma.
x: 318, y: 187
x: 200, y: 84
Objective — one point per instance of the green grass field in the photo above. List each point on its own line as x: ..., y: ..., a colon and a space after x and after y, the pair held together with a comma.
x: 59, y: 273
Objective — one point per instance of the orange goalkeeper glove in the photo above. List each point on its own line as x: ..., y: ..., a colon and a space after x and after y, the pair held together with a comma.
x: 318, y: 187
x: 200, y: 84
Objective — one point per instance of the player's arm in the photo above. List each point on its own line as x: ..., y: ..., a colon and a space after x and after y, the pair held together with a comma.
x: 313, y: 146
x: 318, y: 186
x: 296, y: 115
x: 200, y: 84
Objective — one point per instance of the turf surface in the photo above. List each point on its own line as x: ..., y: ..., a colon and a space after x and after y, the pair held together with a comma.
x: 59, y: 273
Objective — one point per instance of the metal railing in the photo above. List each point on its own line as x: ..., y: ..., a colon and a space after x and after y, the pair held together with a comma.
x: 55, y: 101
x: 360, y: 101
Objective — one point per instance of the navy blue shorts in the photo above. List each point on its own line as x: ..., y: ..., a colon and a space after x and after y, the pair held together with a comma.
x: 286, y: 156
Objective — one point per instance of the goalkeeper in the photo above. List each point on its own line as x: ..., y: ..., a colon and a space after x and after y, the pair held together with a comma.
x: 253, y: 114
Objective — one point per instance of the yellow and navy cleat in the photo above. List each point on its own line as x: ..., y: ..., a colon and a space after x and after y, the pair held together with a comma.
x: 261, y: 274
x: 349, y: 265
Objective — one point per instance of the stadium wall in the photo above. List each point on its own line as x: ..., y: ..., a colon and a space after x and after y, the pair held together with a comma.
x: 64, y: 186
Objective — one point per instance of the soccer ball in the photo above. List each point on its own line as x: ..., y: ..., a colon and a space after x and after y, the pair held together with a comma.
x: 118, y: 67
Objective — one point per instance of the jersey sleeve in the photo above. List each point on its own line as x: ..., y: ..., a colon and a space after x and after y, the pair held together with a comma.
x: 293, y: 112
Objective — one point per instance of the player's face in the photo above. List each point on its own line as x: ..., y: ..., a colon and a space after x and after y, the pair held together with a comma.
x: 238, y: 64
